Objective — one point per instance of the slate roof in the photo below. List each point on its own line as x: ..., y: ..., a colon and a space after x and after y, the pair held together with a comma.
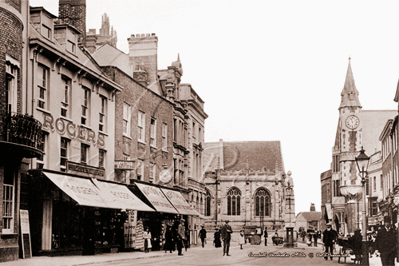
x: 79, y: 58
x: 373, y: 122
x: 310, y: 216
x: 260, y: 155
x: 107, y: 55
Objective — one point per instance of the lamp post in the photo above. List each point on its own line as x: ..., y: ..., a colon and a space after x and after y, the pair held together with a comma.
x: 289, y: 228
x: 362, y: 161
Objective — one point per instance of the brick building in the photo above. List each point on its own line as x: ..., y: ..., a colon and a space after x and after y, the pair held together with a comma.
x: 20, y: 133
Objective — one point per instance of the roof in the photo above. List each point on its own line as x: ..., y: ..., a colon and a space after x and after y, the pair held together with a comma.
x: 80, y: 57
x: 239, y: 155
x: 349, y: 94
x: 373, y: 122
x: 107, y: 55
x: 310, y: 216
x: 326, y: 174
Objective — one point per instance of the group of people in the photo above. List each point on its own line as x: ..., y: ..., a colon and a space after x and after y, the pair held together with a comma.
x: 384, y: 240
x: 176, y: 238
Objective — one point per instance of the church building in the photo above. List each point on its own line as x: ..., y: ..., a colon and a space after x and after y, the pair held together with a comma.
x: 247, y: 185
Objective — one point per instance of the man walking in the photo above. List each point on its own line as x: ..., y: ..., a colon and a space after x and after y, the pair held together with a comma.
x: 329, y: 237
x: 226, y: 236
x: 181, y: 231
x: 386, y: 242
x: 202, y: 235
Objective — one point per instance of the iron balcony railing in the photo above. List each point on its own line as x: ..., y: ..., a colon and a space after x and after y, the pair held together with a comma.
x: 22, y: 129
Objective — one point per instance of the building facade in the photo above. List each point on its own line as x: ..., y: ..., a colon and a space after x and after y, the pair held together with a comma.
x: 357, y: 128
x: 246, y: 182
x: 20, y: 132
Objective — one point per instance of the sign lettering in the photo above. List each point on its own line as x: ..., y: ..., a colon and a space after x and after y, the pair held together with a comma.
x: 78, y: 132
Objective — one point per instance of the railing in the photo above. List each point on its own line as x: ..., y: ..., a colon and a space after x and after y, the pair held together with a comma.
x: 22, y: 129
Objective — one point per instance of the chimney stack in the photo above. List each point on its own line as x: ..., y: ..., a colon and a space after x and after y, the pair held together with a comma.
x: 73, y: 12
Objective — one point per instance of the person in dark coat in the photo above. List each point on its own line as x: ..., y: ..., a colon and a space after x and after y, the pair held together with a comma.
x: 265, y: 234
x: 315, y: 237
x: 226, y: 236
x: 386, y: 242
x: 169, y: 240
x: 355, y: 242
x: 202, y: 235
x: 179, y: 244
x: 329, y: 238
x: 216, y: 240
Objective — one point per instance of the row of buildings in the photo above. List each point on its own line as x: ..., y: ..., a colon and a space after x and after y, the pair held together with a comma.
x: 88, y: 131
x: 97, y: 144
x: 376, y: 131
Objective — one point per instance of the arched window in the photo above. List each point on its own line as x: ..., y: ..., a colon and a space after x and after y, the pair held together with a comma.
x: 208, y: 204
x: 233, y: 201
x: 262, y: 203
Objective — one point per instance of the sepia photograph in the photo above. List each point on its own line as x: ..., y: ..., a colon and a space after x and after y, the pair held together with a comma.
x: 188, y: 132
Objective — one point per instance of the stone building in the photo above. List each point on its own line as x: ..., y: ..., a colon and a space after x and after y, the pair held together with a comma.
x: 107, y: 35
x: 246, y: 184
x: 356, y: 128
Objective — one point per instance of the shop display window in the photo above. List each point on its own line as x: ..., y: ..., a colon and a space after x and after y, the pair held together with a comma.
x: 67, y: 226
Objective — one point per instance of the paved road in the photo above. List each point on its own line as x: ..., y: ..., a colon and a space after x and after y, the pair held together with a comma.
x: 249, y: 255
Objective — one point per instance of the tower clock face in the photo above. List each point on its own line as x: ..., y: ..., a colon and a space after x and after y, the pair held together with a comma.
x: 352, y: 122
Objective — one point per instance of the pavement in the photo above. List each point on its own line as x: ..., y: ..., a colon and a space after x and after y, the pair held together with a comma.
x: 127, y: 256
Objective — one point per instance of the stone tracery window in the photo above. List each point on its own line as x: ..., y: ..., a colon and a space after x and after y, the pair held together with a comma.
x: 233, y: 201
x: 262, y: 203
x: 208, y: 204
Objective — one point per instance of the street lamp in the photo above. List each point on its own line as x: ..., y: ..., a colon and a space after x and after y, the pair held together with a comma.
x: 362, y: 161
x: 289, y: 228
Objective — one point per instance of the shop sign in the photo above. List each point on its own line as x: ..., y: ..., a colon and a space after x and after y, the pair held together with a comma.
x: 124, y: 165
x: 130, y: 229
x: 89, y: 170
x: 77, y: 132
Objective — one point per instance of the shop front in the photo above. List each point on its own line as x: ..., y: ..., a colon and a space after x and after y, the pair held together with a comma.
x: 171, y: 207
x: 75, y: 215
x: 165, y: 215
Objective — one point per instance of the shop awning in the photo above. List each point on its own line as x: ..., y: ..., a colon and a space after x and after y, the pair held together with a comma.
x: 82, y: 190
x: 178, y: 201
x: 120, y: 197
x: 157, y: 198
x: 329, y: 211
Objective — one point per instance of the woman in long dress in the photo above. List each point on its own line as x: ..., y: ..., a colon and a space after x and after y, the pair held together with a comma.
x: 169, y: 241
x: 147, y: 240
x: 217, y: 241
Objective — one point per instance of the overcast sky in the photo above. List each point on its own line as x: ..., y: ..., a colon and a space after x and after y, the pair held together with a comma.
x: 270, y: 70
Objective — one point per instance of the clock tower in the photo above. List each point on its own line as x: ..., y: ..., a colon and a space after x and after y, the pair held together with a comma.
x: 349, y: 130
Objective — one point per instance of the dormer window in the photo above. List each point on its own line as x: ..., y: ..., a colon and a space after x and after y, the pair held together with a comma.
x: 71, y: 47
x: 46, y: 31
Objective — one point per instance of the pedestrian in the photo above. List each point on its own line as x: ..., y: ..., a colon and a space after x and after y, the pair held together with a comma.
x: 147, y: 240
x: 169, y: 240
x: 386, y: 242
x: 216, y: 240
x: 355, y: 242
x: 329, y: 238
x: 226, y: 237
x: 265, y: 234
x: 179, y: 245
x: 202, y: 235
x: 181, y: 230
x: 315, y: 237
x: 275, y: 241
x: 241, y: 239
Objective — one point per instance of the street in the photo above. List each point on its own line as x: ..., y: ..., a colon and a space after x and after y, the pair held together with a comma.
x: 249, y: 255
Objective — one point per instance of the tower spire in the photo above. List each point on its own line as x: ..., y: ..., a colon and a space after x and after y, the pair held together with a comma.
x: 349, y: 94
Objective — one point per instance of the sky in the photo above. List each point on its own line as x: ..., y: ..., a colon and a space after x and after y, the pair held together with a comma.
x: 270, y: 70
